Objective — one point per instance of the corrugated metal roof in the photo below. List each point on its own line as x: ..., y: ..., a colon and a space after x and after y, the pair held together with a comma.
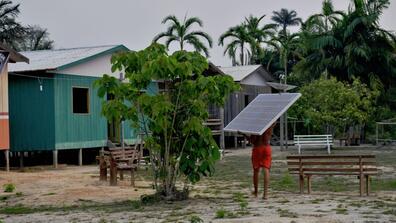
x: 239, y: 73
x: 53, y: 59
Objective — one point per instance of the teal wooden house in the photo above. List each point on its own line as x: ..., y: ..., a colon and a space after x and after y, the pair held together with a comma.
x: 53, y: 104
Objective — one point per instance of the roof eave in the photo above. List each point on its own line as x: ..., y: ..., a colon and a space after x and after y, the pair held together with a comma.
x: 117, y: 48
x: 14, y: 55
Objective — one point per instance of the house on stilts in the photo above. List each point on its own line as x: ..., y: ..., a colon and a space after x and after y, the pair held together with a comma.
x: 7, y: 55
x: 54, y: 105
x: 254, y: 80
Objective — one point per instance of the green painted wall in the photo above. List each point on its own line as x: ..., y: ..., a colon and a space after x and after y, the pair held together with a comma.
x: 32, y: 119
x: 74, y: 131
x: 44, y: 120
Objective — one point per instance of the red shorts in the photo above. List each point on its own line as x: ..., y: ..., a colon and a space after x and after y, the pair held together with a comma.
x: 261, y: 157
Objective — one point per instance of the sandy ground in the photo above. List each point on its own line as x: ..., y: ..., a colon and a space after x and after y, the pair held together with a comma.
x: 67, y: 186
x: 80, y: 186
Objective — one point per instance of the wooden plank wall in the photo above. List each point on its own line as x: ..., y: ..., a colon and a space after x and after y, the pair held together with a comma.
x: 236, y: 101
x: 4, y: 117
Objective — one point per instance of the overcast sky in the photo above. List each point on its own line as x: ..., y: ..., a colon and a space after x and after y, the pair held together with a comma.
x: 76, y: 23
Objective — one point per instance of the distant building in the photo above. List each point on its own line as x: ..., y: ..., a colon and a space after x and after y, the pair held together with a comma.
x: 54, y: 105
x: 7, y: 56
x: 254, y: 80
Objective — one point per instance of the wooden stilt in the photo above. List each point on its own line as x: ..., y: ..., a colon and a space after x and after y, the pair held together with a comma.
x: 236, y: 142
x: 121, y: 175
x: 301, y: 184
x: 7, y: 159
x: 80, y: 157
x: 102, y: 168
x: 309, y: 184
x: 361, y: 176
x: 55, y: 158
x: 113, y: 172
x: 367, y: 185
x: 222, y: 141
x: 281, y: 133
x: 132, y: 177
x: 21, y: 155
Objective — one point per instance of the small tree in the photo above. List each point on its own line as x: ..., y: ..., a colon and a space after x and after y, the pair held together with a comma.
x: 333, y: 104
x: 172, y: 119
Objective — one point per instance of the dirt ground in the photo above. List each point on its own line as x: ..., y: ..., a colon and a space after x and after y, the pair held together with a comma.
x: 75, y: 194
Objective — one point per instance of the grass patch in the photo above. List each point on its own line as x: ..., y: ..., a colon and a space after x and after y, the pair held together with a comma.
x: 383, y: 184
x: 283, y: 213
x: 330, y: 183
x: 285, y: 182
x: 317, y: 201
x: 4, y: 197
x: 49, y: 194
x: 109, y: 208
x: 243, y: 204
x: 341, y: 209
x: 195, y: 219
x: 390, y: 212
x: 222, y: 213
x: 9, y: 188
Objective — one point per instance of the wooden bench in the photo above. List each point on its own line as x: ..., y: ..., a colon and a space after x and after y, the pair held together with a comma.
x: 119, y: 160
x: 313, y: 140
x: 306, y: 166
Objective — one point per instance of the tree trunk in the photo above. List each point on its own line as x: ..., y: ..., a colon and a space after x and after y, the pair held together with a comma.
x: 242, y: 54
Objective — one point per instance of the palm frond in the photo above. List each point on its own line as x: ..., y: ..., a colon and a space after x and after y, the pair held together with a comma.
x: 201, y: 34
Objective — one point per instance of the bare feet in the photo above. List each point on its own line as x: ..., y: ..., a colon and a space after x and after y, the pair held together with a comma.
x: 254, y: 194
x: 265, y: 197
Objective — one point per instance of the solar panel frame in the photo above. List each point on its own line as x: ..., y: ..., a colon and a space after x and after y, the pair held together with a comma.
x: 267, y: 123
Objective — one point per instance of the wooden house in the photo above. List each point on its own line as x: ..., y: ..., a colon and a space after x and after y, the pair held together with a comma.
x: 253, y: 80
x: 7, y: 55
x: 54, y: 105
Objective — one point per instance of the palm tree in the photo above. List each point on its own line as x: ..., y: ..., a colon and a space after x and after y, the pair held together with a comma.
x: 286, y: 46
x: 240, y: 38
x: 259, y: 34
x: 248, y: 38
x: 356, y: 47
x: 36, y: 38
x: 10, y: 30
x: 325, y: 21
x: 180, y: 32
x: 284, y: 18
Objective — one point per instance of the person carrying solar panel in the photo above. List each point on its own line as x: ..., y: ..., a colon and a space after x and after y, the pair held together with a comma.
x: 261, y: 158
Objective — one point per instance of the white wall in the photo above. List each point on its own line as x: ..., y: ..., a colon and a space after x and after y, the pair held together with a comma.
x: 254, y: 79
x: 94, y: 68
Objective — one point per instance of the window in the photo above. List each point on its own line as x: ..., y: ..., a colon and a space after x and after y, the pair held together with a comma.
x: 80, y: 100
x: 246, y: 100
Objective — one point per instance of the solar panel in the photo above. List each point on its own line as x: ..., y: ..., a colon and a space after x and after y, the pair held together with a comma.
x: 261, y: 113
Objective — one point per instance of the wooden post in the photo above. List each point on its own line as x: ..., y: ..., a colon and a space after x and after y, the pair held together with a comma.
x: 132, y: 177
x: 286, y: 133
x: 121, y: 174
x: 7, y: 159
x: 80, y: 157
x: 236, y: 141
x: 21, y: 154
x: 309, y: 183
x: 361, y: 176
x: 222, y: 140
x: 368, y: 185
x: 113, y: 172
x: 102, y: 168
x: 55, y: 158
x: 281, y: 133
x: 301, y: 176
x: 376, y: 134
